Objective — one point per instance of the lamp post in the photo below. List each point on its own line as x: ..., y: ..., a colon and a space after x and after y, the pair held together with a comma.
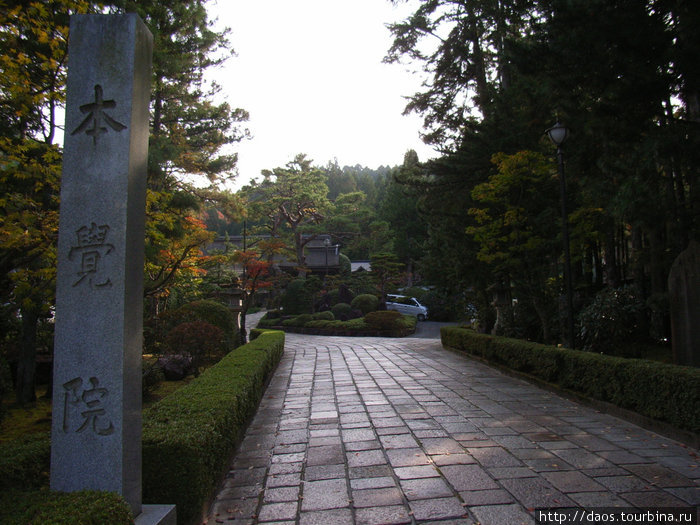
x: 558, y: 134
x: 326, y: 244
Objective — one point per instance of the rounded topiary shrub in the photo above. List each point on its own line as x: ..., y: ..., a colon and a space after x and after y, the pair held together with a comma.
x: 366, y: 303
x: 176, y: 367
x: 323, y: 316
x: 384, y: 320
x: 211, y: 312
x: 198, y: 339
x: 342, y: 311
x: 299, y: 320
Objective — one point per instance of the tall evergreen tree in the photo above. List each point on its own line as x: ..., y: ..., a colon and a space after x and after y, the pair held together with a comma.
x: 33, y: 37
x: 292, y: 199
x: 619, y: 74
x: 188, y: 132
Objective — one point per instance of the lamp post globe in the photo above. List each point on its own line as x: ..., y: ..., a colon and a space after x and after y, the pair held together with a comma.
x: 558, y: 135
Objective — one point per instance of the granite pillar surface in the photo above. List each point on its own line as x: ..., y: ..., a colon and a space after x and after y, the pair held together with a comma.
x: 96, y: 428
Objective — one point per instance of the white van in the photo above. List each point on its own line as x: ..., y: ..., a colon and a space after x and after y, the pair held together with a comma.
x: 406, y: 305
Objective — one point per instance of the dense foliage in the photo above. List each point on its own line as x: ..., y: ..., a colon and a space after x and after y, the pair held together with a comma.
x: 497, y: 74
x: 188, y: 438
x: 483, y: 216
x: 188, y: 130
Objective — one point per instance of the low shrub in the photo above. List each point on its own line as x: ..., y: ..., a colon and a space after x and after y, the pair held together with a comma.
x: 366, y: 303
x: 408, y: 323
x: 384, y: 320
x: 269, y: 323
x: 24, y: 462
x: 353, y: 325
x: 189, y: 436
x: 176, y: 367
x: 342, y: 311
x: 357, y: 324
x: 272, y: 314
x: 298, y: 321
x: 199, y: 339
x: 390, y: 323
x: 668, y: 393
x: 60, y: 508
x: 187, y: 441
x: 211, y: 312
x: 257, y: 332
x: 326, y: 324
x: 323, y: 316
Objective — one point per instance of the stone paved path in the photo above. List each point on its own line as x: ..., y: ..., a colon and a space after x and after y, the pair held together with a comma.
x: 390, y: 431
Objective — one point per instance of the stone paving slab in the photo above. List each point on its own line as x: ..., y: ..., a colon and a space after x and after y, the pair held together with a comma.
x: 401, y: 431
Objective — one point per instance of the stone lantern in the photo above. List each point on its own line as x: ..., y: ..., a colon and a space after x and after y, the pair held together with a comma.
x: 232, y: 295
x: 501, y: 299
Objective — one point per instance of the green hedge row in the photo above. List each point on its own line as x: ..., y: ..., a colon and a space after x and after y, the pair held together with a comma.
x: 659, y: 391
x: 384, y: 323
x: 43, y: 507
x: 188, y: 439
x: 24, y: 463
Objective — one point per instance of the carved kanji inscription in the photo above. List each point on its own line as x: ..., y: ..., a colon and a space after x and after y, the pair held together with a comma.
x: 97, y: 116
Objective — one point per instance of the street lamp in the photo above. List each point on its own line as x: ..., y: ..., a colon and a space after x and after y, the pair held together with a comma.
x: 326, y: 244
x: 558, y: 134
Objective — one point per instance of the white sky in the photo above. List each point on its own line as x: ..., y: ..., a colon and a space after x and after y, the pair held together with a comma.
x: 310, y: 74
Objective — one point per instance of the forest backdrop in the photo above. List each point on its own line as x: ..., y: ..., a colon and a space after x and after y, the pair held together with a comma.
x: 484, y: 216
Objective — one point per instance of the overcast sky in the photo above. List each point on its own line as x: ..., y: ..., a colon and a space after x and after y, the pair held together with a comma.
x: 310, y: 73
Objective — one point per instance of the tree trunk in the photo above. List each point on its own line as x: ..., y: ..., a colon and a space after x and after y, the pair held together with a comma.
x: 25, y: 390
x: 409, y: 273
x: 612, y: 271
x: 301, y: 260
x: 542, y: 313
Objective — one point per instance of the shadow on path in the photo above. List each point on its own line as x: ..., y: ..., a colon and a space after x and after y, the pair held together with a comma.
x: 429, y: 329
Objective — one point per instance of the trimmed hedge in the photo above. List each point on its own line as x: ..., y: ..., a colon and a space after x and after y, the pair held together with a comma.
x: 58, y: 508
x: 365, y: 302
x: 299, y: 320
x: 387, y: 323
x: 358, y: 325
x: 341, y: 310
x: 384, y: 319
x: 24, y: 462
x: 668, y: 393
x: 188, y: 439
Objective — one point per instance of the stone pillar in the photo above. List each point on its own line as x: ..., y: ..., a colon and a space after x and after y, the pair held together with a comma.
x: 96, y: 432
x: 684, y: 301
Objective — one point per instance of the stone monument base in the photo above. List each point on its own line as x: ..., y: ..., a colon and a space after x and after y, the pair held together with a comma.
x: 156, y: 515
